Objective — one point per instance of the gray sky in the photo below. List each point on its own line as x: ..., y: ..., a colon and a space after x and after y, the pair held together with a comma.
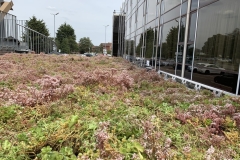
x: 87, y: 17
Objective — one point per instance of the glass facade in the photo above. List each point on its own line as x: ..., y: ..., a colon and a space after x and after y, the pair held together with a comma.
x: 195, y: 39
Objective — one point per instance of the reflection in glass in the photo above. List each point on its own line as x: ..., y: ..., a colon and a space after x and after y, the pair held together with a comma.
x: 182, y: 29
x: 134, y: 3
x: 162, y: 8
x: 151, y: 10
x: 178, y: 60
x: 140, y: 17
x: 170, y: 4
x: 169, y: 39
x: 138, y: 45
x: 149, y: 43
x: 155, y: 36
x: 192, y: 29
x: 205, y: 2
x: 172, y: 14
x: 184, y: 8
x: 133, y: 24
x: 218, y: 42
x: 128, y: 26
x: 188, y: 61
x: 194, y: 5
x: 132, y: 46
x: 169, y: 45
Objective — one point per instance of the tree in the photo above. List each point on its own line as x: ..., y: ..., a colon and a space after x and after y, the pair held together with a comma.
x: 169, y: 48
x: 100, y: 49
x: 85, y: 44
x: 65, y: 47
x: 149, y: 43
x: 38, y: 25
x: 65, y: 31
x: 36, y: 41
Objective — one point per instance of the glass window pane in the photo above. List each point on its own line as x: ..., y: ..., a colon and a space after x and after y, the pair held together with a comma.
x: 182, y: 29
x: 184, y: 8
x: 178, y: 60
x: 140, y: 17
x: 172, y: 14
x: 194, y: 5
x: 188, y: 61
x: 151, y: 10
x: 170, y: 4
x: 192, y: 29
x: 205, y: 2
x: 162, y: 7
x: 218, y: 43
x: 169, y: 44
x: 138, y: 44
x: 149, y: 43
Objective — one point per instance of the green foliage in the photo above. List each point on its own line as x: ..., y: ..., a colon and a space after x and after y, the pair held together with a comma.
x: 65, y: 47
x: 73, y: 45
x: 169, y: 47
x: 100, y: 48
x: 6, y: 84
x: 149, y: 43
x: 73, y: 121
x: 128, y: 147
x: 22, y: 137
x: 7, y: 113
x: 66, y: 38
x: 65, y: 153
x: 85, y: 44
x: 99, y: 120
x: 40, y: 27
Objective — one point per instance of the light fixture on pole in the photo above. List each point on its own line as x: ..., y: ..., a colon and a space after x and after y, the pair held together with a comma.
x: 54, y: 24
x: 105, y: 39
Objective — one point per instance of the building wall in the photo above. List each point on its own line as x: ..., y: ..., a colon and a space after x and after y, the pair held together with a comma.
x: 176, y: 36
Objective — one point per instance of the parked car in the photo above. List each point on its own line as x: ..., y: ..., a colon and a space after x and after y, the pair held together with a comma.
x: 168, y: 62
x: 89, y: 54
x: 139, y: 59
x: 130, y: 58
x: 195, y: 67
x: 171, y: 62
x: 210, y: 69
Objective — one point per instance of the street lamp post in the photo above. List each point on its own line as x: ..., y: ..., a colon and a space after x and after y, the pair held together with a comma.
x: 54, y: 24
x: 105, y: 36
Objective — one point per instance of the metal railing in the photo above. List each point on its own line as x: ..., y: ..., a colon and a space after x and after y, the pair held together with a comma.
x: 34, y: 40
x: 8, y: 32
x: 16, y: 36
x: 193, y: 84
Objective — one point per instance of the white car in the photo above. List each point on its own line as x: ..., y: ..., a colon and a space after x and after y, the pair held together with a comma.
x: 139, y: 59
x: 210, y: 69
x: 195, y: 67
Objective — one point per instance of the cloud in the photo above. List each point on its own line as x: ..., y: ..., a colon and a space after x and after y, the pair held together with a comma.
x: 51, y: 8
x: 227, y: 13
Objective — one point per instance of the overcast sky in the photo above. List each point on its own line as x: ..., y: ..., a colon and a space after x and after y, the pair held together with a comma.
x: 87, y: 17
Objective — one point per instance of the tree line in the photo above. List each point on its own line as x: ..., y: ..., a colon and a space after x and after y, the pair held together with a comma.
x: 65, y: 37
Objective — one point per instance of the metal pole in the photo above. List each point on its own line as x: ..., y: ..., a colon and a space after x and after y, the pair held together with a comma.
x: 54, y: 29
x: 186, y: 38
x: 105, y: 37
x: 238, y: 81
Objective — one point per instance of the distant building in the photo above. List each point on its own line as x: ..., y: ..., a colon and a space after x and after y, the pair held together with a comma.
x: 118, y: 34
x: 107, y: 45
x: 95, y: 49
